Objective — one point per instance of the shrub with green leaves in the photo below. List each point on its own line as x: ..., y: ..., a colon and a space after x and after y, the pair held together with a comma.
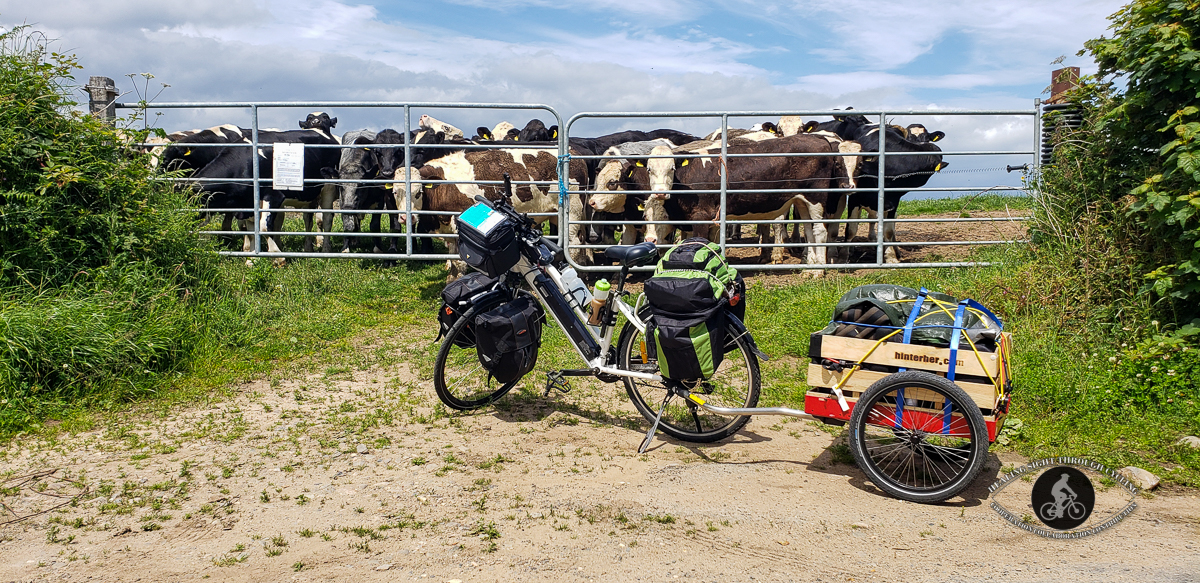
x: 103, y: 280
x: 74, y: 200
x: 1127, y: 184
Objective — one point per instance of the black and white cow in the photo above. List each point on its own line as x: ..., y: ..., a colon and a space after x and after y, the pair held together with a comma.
x: 232, y: 171
x: 903, y: 172
x: 357, y: 164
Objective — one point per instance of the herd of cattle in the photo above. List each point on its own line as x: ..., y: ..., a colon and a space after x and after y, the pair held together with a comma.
x: 666, y: 176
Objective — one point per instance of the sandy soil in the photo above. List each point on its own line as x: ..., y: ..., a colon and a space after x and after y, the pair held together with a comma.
x: 342, y: 469
x: 272, y: 486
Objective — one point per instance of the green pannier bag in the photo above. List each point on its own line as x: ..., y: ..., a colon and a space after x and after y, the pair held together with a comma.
x: 688, y: 301
x: 688, y: 348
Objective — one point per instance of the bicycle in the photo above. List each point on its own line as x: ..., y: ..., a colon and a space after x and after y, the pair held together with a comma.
x: 700, y: 411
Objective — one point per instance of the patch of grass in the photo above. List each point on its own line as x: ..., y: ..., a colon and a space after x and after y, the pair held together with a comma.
x: 979, y: 202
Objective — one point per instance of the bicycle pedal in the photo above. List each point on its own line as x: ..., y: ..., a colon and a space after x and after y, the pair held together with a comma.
x: 556, y: 381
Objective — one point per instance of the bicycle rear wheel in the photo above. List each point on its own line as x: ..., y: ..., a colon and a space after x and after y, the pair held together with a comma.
x: 460, y: 380
x: 736, y: 383
x: 918, y: 436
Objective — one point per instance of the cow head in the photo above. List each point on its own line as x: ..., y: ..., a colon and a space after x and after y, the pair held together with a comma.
x: 512, y: 135
x: 535, y: 131
x: 810, y: 127
x: 319, y: 120
x: 418, y: 191
x: 661, y: 171
x: 610, y: 196
x: 501, y: 130
x: 434, y: 125
x: 482, y: 133
x: 553, y: 132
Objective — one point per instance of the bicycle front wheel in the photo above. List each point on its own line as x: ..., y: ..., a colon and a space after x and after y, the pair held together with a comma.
x: 918, y: 436
x: 460, y: 380
x: 736, y: 383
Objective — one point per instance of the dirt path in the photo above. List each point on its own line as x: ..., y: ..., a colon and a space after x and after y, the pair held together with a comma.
x: 272, y: 486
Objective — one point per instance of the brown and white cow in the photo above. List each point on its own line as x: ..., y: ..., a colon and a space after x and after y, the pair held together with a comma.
x: 671, y: 179
x: 433, y: 191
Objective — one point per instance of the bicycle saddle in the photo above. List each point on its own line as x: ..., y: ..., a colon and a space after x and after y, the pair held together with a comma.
x: 631, y: 255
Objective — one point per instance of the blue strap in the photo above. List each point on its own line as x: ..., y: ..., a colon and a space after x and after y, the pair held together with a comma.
x: 954, y: 336
x: 912, y: 318
x: 899, y: 422
x: 946, y: 417
x: 564, y: 161
x: 976, y: 305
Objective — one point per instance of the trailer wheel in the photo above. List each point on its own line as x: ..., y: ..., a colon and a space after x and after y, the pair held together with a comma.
x: 918, y: 436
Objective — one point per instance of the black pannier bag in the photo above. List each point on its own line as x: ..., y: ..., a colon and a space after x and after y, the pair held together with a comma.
x: 507, y: 338
x: 487, y: 241
x: 686, y: 328
x: 456, y: 300
x: 688, y: 347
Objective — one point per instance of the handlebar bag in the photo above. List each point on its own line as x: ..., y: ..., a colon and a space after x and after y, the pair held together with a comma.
x: 687, y: 347
x: 456, y: 300
x: 507, y: 338
x: 487, y: 240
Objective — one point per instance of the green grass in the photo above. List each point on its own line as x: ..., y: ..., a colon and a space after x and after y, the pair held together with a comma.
x: 980, y: 202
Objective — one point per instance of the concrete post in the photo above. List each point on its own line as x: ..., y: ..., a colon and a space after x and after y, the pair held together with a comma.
x: 102, y: 93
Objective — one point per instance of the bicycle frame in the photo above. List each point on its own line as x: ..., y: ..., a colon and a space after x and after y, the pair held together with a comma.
x: 546, y: 283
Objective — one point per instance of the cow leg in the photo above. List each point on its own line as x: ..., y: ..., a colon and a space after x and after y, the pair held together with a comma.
x: 268, y: 220
x: 575, y: 232
x: 246, y: 225
x: 375, y: 224
x: 226, y: 225
x: 308, y: 227
x: 833, y: 228
x: 329, y: 194
x: 890, y: 254
x: 817, y: 255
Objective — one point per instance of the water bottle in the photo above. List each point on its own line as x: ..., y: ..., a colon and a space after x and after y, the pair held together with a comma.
x: 575, y: 289
x: 598, y: 301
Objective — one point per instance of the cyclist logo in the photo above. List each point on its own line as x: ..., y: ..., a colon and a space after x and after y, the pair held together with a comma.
x: 1063, y: 498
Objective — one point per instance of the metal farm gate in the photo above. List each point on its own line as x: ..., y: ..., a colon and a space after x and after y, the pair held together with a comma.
x: 877, y: 116
x: 563, y: 216
x: 405, y: 208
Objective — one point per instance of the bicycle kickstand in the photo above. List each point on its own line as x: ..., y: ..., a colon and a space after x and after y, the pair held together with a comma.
x: 556, y: 380
x: 654, y: 426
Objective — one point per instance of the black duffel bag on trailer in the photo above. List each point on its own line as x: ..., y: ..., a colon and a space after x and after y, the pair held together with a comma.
x: 507, y: 338
x: 487, y: 241
x: 456, y: 300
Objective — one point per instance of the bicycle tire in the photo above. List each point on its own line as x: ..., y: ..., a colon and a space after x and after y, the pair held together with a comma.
x: 910, y: 451
x: 683, y: 420
x: 1076, y: 515
x: 471, y: 387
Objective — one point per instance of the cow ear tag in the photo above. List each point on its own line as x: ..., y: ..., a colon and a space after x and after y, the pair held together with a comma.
x: 685, y: 163
x: 938, y: 167
x: 187, y: 153
x: 641, y: 207
x: 555, y: 134
x: 639, y: 164
x: 936, y: 138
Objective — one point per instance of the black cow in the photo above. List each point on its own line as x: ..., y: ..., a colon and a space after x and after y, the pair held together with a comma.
x: 904, y: 172
x: 235, y: 167
x: 357, y: 164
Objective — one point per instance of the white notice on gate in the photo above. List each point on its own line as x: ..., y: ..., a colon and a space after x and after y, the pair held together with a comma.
x: 288, y: 166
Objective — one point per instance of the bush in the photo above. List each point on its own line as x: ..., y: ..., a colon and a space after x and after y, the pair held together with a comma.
x: 101, y: 273
x: 1123, y: 196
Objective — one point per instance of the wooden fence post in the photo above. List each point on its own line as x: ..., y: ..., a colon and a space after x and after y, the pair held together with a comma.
x: 102, y: 93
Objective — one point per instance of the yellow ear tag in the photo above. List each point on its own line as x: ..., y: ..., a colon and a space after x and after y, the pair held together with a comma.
x: 938, y: 167
x: 639, y: 164
x: 936, y: 138
x: 517, y: 138
x: 641, y: 207
x: 685, y: 163
x: 387, y: 186
x: 187, y: 153
x: 555, y: 134
x: 366, y: 149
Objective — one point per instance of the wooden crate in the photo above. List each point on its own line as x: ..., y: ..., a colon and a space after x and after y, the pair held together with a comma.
x: 821, y: 402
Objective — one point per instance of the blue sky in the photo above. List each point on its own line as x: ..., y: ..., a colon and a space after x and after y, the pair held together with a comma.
x: 596, y: 55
